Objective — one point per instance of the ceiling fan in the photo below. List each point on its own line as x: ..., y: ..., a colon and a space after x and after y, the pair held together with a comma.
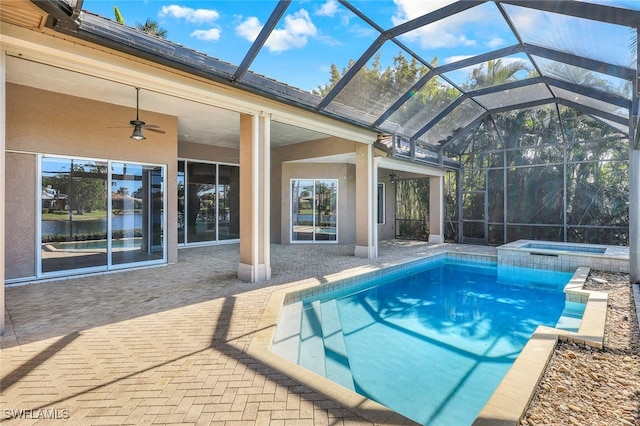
x: 138, y: 125
x: 393, y: 177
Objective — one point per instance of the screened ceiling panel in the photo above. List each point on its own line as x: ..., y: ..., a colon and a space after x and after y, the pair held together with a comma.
x: 382, y: 81
x: 422, y: 70
x: 627, y: 4
x: 577, y: 124
x: 474, y: 31
x: 387, y: 14
x: 422, y: 107
x: 584, y: 77
x: 591, y: 102
x: 491, y: 73
x: 620, y: 127
x: 577, y: 36
x: 517, y: 96
x: 323, y: 39
x: 461, y: 116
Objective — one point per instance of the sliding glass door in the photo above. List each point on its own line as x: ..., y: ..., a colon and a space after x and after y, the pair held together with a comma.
x: 86, y: 226
x: 208, y: 202
x: 314, y: 210
x: 74, y: 214
x: 136, y: 213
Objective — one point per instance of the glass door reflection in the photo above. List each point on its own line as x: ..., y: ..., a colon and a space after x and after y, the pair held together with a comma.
x: 314, y: 210
x: 302, y: 210
x: 136, y: 213
x: 325, y: 210
x: 73, y: 223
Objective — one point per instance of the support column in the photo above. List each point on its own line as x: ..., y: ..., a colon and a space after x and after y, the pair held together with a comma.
x: 255, y: 256
x: 366, y: 223
x: 634, y: 215
x: 436, y: 209
x: 634, y: 175
x: 3, y: 172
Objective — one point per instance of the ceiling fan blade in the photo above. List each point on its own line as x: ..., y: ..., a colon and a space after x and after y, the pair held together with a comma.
x: 154, y: 129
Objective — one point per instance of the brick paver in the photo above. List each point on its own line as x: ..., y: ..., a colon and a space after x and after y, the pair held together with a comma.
x: 167, y: 345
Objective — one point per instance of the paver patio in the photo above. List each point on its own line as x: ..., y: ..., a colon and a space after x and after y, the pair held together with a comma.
x: 168, y: 344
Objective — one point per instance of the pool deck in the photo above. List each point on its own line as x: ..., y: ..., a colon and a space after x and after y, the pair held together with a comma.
x: 181, y: 343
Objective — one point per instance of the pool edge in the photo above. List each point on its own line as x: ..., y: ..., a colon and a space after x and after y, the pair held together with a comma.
x: 509, y: 402
x: 260, y: 349
x: 506, y: 406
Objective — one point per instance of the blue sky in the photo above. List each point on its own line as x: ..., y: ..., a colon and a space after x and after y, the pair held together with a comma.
x: 313, y: 34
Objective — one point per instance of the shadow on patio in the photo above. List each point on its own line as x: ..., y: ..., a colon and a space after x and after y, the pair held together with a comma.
x: 168, y: 344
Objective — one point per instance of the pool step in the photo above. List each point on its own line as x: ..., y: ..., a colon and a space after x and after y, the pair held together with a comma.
x: 311, y: 336
x: 571, y: 316
x: 286, y: 342
x: 335, y: 351
x: 311, y: 355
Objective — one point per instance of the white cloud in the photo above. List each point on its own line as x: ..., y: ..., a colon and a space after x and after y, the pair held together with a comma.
x: 455, y: 58
x: 196, y: 16
x: 298, y: 27
x: 361, y: 31
x: 496, y: 42
x: 328, y: 9
x: 249, y: 28
x: 444, y: 33
x: 212, y: 34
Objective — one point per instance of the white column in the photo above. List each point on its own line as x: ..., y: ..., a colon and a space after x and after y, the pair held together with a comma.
x: 255, y: 258
x: 436, y: 209
x: 634, y: 215
x: 366, y: 186
x: 3, y: 171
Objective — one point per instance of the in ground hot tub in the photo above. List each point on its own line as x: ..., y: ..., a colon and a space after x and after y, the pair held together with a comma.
x: 564, y: 256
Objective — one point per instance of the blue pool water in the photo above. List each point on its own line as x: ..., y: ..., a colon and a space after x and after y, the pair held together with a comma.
x: 432, y: 344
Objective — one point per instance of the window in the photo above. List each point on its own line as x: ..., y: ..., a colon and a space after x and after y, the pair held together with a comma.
x: 208, y: 202
x: 86, y: 226
x: 381, y: 205
x: 314, y: 210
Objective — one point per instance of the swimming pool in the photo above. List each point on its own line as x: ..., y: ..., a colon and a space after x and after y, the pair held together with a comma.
x: 431, y: 342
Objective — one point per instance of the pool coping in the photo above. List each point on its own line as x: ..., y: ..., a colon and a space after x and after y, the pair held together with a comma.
x: 509, y: 402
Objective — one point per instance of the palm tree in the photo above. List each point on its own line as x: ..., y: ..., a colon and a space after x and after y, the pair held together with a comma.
x: 152, y: 27
x: 496, y: 73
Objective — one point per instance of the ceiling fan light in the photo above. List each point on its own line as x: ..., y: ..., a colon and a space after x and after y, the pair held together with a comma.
x: 137, y: 133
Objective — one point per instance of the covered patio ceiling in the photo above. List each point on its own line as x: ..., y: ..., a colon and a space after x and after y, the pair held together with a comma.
x: 579, y: 54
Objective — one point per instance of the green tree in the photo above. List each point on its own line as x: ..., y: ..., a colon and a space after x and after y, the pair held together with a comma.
x: 152, y: 27
x: 495, y: 72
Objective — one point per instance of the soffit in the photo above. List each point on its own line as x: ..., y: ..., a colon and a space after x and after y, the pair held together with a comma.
x: 22, y: 13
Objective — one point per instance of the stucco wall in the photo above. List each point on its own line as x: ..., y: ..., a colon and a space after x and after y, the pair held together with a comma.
x: 199, y: 151
x: 387, y: 230
x: 280, y: 192
x: 344, y: 173
x: 20, y: 216
x: 45, y: 122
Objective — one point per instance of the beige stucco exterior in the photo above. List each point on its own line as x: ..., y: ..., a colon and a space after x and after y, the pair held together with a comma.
x: 49, y: 122
x: 207, y: 152
x: 345, y: 175
x: 20, y: 215
x: 43, y: 122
